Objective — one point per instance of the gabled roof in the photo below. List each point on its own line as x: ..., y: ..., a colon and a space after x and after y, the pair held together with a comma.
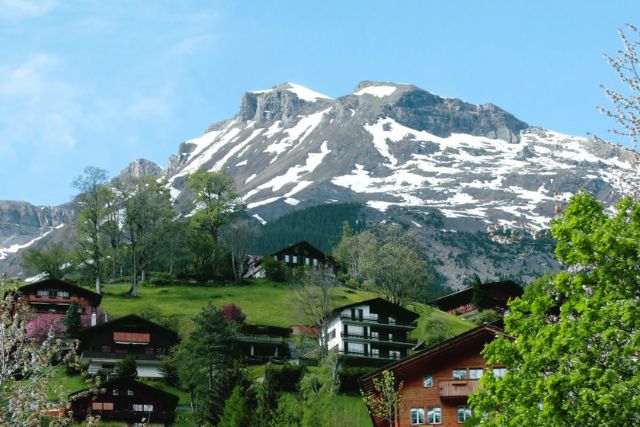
x: 498, y: 292
x: 170, y: 398
x: 380, y: 303
x: 483, y: 333
x: 300, y: 243
x: 61, y: 284
x: 131, y: 320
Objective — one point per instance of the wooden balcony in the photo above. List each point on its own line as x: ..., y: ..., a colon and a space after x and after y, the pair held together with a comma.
x: 457, y: 389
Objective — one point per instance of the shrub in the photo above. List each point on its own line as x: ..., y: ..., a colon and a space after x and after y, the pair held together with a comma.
x: 127, y: 369
x: 274, y: 270
x: 284, y: 377
x: 38, y: 329
x: 233, y: 313
x: 349, y: 378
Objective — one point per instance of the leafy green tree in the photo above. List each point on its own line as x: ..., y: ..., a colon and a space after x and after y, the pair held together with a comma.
x: 574, y: 359
x: 71, y: 320
x: 55, y: 261
x: 385, y: 400
x: 127, y: 369
x: 216, y: 204
x: 236, y: 410
x: 318, y: 390
x: 148, y: 211
x: 93, y: 199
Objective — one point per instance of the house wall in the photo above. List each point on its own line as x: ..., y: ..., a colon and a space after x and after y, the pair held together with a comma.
x: 415, y: 395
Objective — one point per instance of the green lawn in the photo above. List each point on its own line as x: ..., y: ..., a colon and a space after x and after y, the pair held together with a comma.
x: 262, y: 301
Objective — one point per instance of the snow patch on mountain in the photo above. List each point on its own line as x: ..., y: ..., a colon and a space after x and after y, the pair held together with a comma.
x: 378, y: 91
x: 4, y: 252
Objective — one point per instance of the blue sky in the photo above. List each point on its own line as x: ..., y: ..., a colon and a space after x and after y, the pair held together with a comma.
x: 102, y: 83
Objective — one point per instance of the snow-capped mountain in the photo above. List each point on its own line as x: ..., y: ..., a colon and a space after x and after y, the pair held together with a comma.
x: 389, y: 144
x: 445, y: 167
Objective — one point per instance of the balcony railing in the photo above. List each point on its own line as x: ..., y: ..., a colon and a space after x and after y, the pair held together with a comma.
x: 260, y: 339
x: 368, y: 355
x: 457, y: 388
x: 115, y: 355
x: 369, y: 338
x: 376, y: 321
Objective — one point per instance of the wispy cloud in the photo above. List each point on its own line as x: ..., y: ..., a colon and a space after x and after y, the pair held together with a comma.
x: 37, y: 108
x: 20, y: 9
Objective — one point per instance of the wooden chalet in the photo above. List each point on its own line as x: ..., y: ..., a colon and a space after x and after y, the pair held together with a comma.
x: 260, y: 343
x: 371, y: 332
x: 296, y: 255
x: 105, y: 345
x: 492, y: 296
x: 438, y: 381
x: 51, y: 298
x: 128, y: 401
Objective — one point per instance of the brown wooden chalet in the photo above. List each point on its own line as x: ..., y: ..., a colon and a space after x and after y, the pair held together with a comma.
x: 371, y: 332
x: 260, y: 343
x: 105, y: 345
x: 296, y: 255
x: 50, y: 298
x: 438, y: 381
x: 492, y: 296
x: 129, y: 401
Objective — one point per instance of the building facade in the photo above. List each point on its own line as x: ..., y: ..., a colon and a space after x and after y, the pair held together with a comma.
x: 370, y: 332
x: 50, y: 299
x: 438, y: 381
x: 262, y: 343
x: 491, y: 296
x: 129, y: 401
x: 103, y: 346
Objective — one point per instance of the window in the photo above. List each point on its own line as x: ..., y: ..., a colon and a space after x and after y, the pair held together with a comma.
x: 115, y: 392
x: 375, y: 352
x: 394, y: 354
x: 427, y: 381
x: 307, y: 261
x: 139, y: 407
x: 417, y: 415
x: 464, y: 412
x: 459, y: 374
x: 286, y: 258
x: 356, y: 348
x: 63, y: 294
x: 475, y: 373
x: 499, y: 372
x: 392, y: 320
x: 294, y: 259
x: 43, y: 293
x: 100, y: 406
x: 434, y: 415
x: 332, y: 333
x: 129, y: 392
x: 374, y: 335
x: 315, y: 262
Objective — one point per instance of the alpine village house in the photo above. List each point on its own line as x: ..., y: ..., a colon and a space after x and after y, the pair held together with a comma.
x: 50, y: 299
x: 438, y: 381
x: 125, y: 400
x: 103, y: 346
x: 370, y: 332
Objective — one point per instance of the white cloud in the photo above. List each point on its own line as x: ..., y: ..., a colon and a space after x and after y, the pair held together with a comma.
x: 19, y: 9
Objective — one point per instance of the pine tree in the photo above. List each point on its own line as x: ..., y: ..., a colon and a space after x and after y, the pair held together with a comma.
x: 71, y: 321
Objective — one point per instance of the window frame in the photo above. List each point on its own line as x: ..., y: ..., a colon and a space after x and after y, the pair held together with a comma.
x: 466, y: 410
x: 475, y: 370
x: 437, y: 411
x: 424, y: 381
x: 459, y: 370
x: 417, y: 412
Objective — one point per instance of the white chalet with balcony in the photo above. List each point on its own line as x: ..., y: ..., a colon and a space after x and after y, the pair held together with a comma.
x: 373, y: 331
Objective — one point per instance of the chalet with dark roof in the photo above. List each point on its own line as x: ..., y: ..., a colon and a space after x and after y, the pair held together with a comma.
x: 105, y: 345
x: 492, y: 296
x: 299, y: 254
x: 51, y: 298
x: 370, y: 332
x: 438, y: 381
x: 128, y: 401
x: 261, y: 343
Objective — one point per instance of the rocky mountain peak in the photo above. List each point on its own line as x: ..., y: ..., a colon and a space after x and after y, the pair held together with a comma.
x: 139, y: 168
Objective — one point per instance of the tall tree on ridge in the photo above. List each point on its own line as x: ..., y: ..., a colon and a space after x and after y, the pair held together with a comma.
x: 93, y: 199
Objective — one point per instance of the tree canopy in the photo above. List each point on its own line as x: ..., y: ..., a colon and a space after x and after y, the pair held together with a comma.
x: 573, y: 359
